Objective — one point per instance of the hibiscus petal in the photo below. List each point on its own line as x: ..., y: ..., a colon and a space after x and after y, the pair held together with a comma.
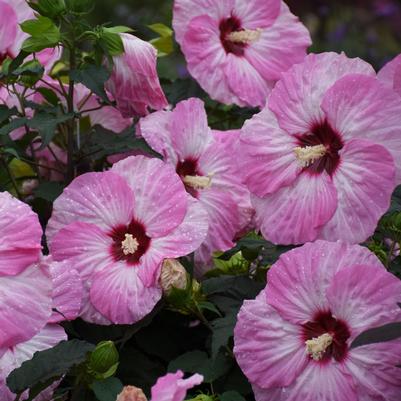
x: 172, y: 386
x: 298, y: 281
x: 245, y: 81
x: 8, y: 27
x: 360, y: 106
x: 85, y: 246
x: 280, y: 45
x: 295, y: 214
x: 364, y: 182
x: 25, y: 305
x: 160, y: 196
x: 368, y: 303
x: 104, y: 199
x: 20, y: 235
x: 390, y: 74
x: 267, y: 155
x: 119, y: 294
x: 375, y: 370
x: 255, y: 14
x: 190, y: 134
x: 296, y: 98
x: 268, y: 349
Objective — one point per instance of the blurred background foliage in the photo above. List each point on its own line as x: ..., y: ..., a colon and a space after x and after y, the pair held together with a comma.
x: 370, y: 29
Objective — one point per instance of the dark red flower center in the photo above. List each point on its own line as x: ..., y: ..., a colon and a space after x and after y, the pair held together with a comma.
x: 188, y: 168
x: 227, y: 26
x: 322, y: 134
x: 324, y: 323
x: 130, y: 242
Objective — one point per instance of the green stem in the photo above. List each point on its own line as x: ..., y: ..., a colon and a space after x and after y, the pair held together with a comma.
x: 71, y: 124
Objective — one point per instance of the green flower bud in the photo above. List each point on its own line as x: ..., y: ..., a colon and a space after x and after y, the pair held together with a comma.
x: 50, y: 8
x: 103, y: 361
x: 80, y: 6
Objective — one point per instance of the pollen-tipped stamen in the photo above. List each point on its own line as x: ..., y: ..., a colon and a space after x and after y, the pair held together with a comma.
x: 316, y: 347
x: 129, y: 245
x: 307, y: 155
x: 198, y: 181
x: 245, y: 36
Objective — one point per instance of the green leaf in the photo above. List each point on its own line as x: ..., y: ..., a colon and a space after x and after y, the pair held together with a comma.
x: 164, y: 44
x: 199, y: 362
x: 231, y: 396
x: 107, y: 390
x: 384, y: 333
x: 49, y: 191
x: 223, y: 330
x: 12, y: 125
x: 46, y: 125
x: 49, y: 8
x: 112, y: 42
x: 118, y: 29
x: 6, y: 113
x: 44, y: 33
x: 49, y: 95
x: 48, y: 364
x: 93, y: 77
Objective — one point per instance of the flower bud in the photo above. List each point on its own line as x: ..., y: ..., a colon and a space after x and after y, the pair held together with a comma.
x: 173, y: 274
x: 202, y: 397
x: 131, y: 393
x: 103, y: 361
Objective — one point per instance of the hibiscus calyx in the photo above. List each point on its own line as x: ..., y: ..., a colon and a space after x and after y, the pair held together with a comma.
x: 129, y: 245
x: 309, y: 154
x: 317, y: 346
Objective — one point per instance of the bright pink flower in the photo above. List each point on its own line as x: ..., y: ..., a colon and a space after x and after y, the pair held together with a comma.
x: 237, y: 49
x: 14, y: 356
x: 117, y: 227
x: 171, y: 387
x: 134, y: 82
x: 390, y: 74
x: 293, y: 341
x: 321, y: 159
x: 207, y: 168
x: 20, y: 236
x: 12, y: 14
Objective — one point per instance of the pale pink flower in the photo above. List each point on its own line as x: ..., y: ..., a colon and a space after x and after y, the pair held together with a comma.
x: 171, y: 387
x: 322, y: 159
x: 206, y: 167
x: 390, y: 74
x: 117, y: 227
x: 13, y: 357
x: 293, y: 341
x: 237, y: 49
x: 134, y: 83
x: 12, y: 14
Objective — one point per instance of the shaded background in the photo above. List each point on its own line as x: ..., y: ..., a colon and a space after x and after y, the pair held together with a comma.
x: 370, y: 29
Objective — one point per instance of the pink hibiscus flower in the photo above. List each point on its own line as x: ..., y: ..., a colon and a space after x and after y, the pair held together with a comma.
x: 12, y: 14
x: 293, y: 341
x: 390, y: 74
x: 14, y: 356
x: 237, y: 49
x: 171, y: 387
x: 134, y: 82
x: 206, y: 167
x: 117, y: 227
x: 321, y: 159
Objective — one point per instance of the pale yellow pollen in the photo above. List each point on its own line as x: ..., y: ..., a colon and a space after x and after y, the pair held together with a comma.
x: 129, y: 245
x: 246, y: 36
x: 318, y: 346
x: 198, y: 181
x: 307, y: 155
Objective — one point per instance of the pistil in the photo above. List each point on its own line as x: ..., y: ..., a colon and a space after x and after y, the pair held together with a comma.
x: 316, y: 347
x: 198, y: 181
x: 129, y: 245
x: 308, y: 154
x: 245, y: 36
